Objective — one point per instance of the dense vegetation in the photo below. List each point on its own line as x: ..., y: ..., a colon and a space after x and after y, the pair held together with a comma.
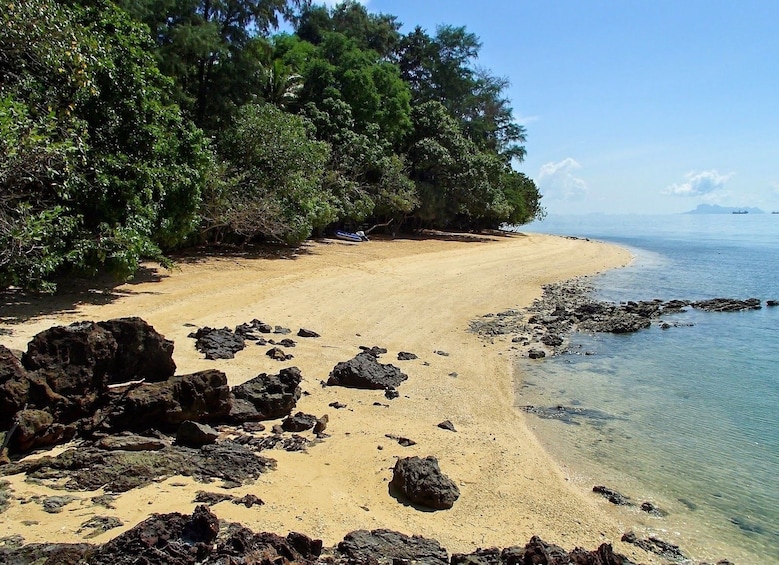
x: 131, y: 128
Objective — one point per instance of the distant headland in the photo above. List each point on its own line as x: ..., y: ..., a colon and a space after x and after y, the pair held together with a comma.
x: 715, y: 209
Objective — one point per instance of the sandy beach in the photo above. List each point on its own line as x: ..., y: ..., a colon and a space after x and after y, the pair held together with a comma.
x: 414, y: 295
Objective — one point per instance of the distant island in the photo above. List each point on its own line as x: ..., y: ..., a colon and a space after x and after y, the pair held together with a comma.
x: 715, y: 209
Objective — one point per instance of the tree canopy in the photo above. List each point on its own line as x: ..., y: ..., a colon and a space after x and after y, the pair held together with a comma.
x: 134, y: 127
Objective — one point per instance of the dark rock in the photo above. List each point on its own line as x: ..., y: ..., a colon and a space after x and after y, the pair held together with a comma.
x: 727, y: 304
x: 302, y: 332
x: 375, y: 350
x: 211, y: 498
x: 98, y: 525
x: 490, y: 556
x: 201, y: 397
x: 657, y: 546
x: 421, y: 482
x: 337, y: 405
x: 195, y: 434
x: 391, y: 394
x: 131, y: 442
x: 402, y: 441
x: 278, y: 354
x: 612, y: 496
x: 55, y: 504
x: 142, y: 352
x: 287, y: 343
x: 89, y: 468
x: 299, y: 422
x: 406, y: 356
x: 552, y: 340
x: 364, y: 371
x: 447, y: 425
x: 47, y: 554
x: 244, y: 546
x: 249, y: 500
x: 14, y: 387
x: 174, y: 539
x: 249, y: 331
x: 36, y: 429
x: 271, y: 396
x: 281, y: 330
x: 71, y: 366
x: 386, y: 546
x: 217, y: 343
x: 253, y: 427
x: 441, y: 353
x: 567, y: 414
x: 650, y: 508
x: 536, y: 354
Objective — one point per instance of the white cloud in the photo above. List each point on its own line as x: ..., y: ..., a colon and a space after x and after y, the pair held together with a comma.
x: 557, y: 181
x: 699, y: 184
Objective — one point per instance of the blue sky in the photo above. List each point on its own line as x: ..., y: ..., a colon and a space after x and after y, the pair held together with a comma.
x: 632, y: 106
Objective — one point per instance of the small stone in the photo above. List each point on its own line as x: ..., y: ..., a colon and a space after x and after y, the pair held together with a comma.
x: 302, y: 332
x: 447, y: 425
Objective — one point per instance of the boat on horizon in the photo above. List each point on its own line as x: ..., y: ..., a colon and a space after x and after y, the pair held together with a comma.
x: 741, y: 212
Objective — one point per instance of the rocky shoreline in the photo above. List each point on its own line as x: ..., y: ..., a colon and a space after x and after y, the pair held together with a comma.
x: 110, y: 389
x: 544, y: 327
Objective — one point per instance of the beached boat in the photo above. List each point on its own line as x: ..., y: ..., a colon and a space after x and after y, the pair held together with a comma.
x: 348, y: 236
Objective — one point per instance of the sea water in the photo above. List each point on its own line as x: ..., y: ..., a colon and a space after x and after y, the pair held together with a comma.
x: 690, y: 414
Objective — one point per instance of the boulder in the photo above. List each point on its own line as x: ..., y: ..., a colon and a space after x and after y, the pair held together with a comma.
x: 406, y: 356
x: 14, y: 387
x: 271, y: 396
x: 421, y: 482
x: 70, y: 367
x: 218, y: 343
x: 142, y: 352
x: 387, y: 546
x: 202, y: 397
x: 300, y: 422
x: 364, y: 371
x: 195, y: 434
x: 174, y: 539
x: 36, y: 429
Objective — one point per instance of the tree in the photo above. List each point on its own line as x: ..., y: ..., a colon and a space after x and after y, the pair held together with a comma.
x: 442, y: 69
x: 119, y: 172
x: 273, y: 179
x: 213, y: 49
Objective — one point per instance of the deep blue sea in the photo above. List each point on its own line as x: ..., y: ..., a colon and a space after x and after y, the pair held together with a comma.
x: 691, y: 412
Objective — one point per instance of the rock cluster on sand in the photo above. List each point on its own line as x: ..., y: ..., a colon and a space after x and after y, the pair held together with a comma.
x: 199, y: 538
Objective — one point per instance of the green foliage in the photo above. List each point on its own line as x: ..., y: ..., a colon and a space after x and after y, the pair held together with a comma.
x: 273, y: 179
x: 111, y: 173
x: 214, y: 50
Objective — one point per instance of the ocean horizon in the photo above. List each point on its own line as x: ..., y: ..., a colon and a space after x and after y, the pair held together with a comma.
x: 685, y: 417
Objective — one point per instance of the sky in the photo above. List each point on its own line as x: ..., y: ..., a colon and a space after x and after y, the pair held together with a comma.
x: 632, y: 106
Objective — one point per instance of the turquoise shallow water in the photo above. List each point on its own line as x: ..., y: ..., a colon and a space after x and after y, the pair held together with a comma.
x: 692, y: 411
